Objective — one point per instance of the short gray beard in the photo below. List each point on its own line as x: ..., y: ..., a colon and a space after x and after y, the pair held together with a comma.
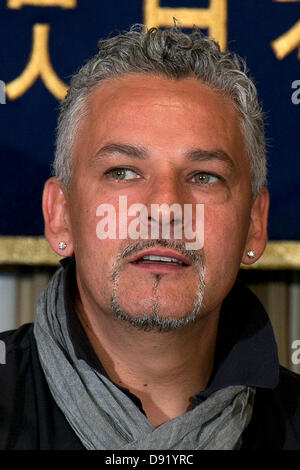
x: 155, y: 322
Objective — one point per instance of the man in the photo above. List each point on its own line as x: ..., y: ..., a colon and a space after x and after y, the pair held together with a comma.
x: 143, y: 342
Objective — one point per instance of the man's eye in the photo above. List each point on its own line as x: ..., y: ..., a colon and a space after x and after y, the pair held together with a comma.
x: 122, y: 173
x: 204, y: 178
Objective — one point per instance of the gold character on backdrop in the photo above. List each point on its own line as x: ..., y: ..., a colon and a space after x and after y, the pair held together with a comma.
x: 17, y: 4
x: 288, y: 41
x: 39, y: 65
x: 214, y: 18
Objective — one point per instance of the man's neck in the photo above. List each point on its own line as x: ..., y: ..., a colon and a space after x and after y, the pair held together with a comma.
x: 163, y: 369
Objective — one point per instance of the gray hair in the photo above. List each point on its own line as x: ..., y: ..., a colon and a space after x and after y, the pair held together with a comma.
x: 176, y: 55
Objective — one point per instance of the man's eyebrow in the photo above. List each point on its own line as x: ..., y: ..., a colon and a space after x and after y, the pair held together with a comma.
x: 206, y: 155
x: 139, y: 152
x: 111, y: 149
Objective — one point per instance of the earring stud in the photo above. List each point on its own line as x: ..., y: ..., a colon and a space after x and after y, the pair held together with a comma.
x: 251, y: 254
x: 62, y: 245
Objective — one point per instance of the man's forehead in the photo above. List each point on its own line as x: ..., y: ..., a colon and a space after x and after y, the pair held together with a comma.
x: 138, y: 109
x: 159, y: 90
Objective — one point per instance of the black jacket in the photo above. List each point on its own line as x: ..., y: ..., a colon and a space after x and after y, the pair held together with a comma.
x: 246, y: 353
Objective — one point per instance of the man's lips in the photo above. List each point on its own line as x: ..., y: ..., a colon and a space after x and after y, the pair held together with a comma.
x: 161, y: 252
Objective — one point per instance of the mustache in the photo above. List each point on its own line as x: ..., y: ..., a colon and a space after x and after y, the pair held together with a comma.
x: 134, y: 248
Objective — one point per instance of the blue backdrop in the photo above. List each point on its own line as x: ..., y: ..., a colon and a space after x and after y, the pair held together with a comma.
x: 265, y: 32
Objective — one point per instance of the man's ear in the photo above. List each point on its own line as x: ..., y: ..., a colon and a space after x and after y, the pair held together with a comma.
x: 56, y: 217
x: 258, y: 229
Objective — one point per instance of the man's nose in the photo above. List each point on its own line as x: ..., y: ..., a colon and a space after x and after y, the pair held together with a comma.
x: 165, y: 201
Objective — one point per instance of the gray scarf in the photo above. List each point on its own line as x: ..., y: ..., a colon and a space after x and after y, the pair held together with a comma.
x: 103, y: 417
